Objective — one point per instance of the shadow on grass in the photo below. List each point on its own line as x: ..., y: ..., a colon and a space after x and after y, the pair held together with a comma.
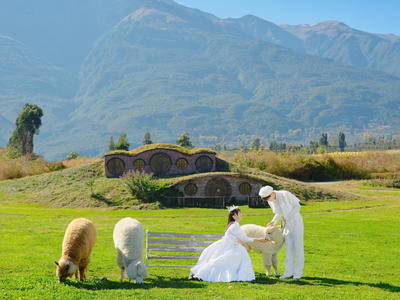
x: 184, y: 283
x: 101, y: 198
x: 150, y: 283
x: 328, y: 282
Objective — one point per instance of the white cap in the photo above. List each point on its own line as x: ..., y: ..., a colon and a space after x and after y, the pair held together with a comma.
x: 265, y: 191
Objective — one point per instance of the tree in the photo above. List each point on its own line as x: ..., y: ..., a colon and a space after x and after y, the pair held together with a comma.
x: 122, y: 143
x: 72, y: 155
x: 147, y: 139
x: 342, y: 141
x: 27, y: 125
x: 323, y: 140
x: 184, y: 140
x: 111, y: 144
x: 255, y: 144
x: 313, y: 146
x: 277, y: 147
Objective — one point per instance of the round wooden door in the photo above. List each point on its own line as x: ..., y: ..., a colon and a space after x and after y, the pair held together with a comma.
x: 204, y: 164
x: 218, y: 187
x: 116, y: 167
x: 160, y: 163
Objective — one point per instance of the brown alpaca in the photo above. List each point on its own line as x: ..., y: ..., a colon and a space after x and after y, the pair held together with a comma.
x: 79, y: 239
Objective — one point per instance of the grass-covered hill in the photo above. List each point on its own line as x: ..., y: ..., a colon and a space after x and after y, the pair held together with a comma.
x: 86, y: 186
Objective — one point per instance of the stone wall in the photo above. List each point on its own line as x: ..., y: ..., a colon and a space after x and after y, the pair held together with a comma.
x: 214, y: 185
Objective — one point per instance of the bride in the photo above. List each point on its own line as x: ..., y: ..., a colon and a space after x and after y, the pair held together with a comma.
x: 226, y: 260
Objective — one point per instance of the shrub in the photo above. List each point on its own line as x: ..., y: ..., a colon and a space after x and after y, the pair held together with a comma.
x: 141, y: 185
x: 9, y: 170
x: 55, y: 166
x: 308, y: 167
x: 72, y: 155
x: 260, y: 164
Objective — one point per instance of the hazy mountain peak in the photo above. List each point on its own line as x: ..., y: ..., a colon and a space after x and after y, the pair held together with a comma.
x: 253, y: 17
x: 390, y: 37
x: 331, y: 24
x: 145, y: 13
x: 261, y: 29
x: 8, y: 39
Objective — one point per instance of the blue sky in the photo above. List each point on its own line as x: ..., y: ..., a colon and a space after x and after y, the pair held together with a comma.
x: 366, y: 15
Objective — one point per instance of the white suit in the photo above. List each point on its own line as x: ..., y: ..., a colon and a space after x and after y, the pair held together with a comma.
x: 287, y: 205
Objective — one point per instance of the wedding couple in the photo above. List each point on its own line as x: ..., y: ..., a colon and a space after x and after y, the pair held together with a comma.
x: 226, y: 260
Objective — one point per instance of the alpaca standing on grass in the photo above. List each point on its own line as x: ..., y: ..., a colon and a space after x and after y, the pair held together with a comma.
x: 77, y: 246
x: 129, y: 240
x: 269, y: 250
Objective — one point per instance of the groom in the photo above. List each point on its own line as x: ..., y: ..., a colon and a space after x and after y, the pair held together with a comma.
x: 285, y: 205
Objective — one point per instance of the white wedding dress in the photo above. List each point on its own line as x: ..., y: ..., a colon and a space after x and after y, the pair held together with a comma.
x: 225, y: 260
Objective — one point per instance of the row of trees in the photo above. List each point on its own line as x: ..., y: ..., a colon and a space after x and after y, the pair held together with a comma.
x: 319, y: 146
x: 123, y: 144
x: 29, y: 121
x: 323, y: 145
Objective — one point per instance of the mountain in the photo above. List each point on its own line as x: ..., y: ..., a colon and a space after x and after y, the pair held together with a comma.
x: 102, y: 67
x: 337, y: 41
x: 169, y: 69
x: 27, y: 78
x: 5, y: 130
x: 62, y: 31
x: 263, y: 30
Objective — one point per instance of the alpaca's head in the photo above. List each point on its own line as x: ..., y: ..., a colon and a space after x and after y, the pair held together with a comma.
x: 273, y: 233
x: 137, y: 271
x: 64, y: 269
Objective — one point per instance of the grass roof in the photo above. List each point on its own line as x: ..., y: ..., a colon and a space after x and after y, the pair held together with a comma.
x: 179, y: 179
x: 305, y: 191
x: 178, y: 148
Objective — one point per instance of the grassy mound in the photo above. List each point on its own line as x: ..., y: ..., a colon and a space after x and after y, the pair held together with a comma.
x: 82, y: 186
x: 305, y: 191
x: 86, y: 186
x: 178, y: 148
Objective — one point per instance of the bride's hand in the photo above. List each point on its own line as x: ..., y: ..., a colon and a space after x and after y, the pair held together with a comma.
x: 262, y: 240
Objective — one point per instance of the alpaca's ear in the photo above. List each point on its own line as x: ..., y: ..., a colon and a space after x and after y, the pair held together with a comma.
x: 142, y: 270
x: 56, y: 263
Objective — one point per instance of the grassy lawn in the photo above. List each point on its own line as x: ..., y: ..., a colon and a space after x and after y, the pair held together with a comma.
x: 352, y: 251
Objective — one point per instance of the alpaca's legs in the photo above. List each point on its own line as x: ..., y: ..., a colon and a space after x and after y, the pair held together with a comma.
x: 267, y: 263
x: 122, y: 271
x: 82, y: 269
x: 121, y: 265
x: 275, y: 263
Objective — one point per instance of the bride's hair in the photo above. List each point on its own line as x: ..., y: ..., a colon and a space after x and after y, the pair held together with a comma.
x: 230, y: 217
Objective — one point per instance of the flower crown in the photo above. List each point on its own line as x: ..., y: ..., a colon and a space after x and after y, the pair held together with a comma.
x: 232, y: 208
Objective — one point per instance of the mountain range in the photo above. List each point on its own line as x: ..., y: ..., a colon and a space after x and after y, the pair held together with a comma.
x: 102, y: 67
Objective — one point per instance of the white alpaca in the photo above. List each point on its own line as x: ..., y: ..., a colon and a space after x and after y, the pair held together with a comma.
x: 128, y: 240
x: 269, y: 250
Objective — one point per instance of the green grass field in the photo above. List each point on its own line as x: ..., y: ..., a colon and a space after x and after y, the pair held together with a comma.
x: 352, y: 251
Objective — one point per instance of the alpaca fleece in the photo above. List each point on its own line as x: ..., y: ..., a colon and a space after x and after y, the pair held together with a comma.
x: 129, y: 240
x: 79, y: 239
x: 269, y: 250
